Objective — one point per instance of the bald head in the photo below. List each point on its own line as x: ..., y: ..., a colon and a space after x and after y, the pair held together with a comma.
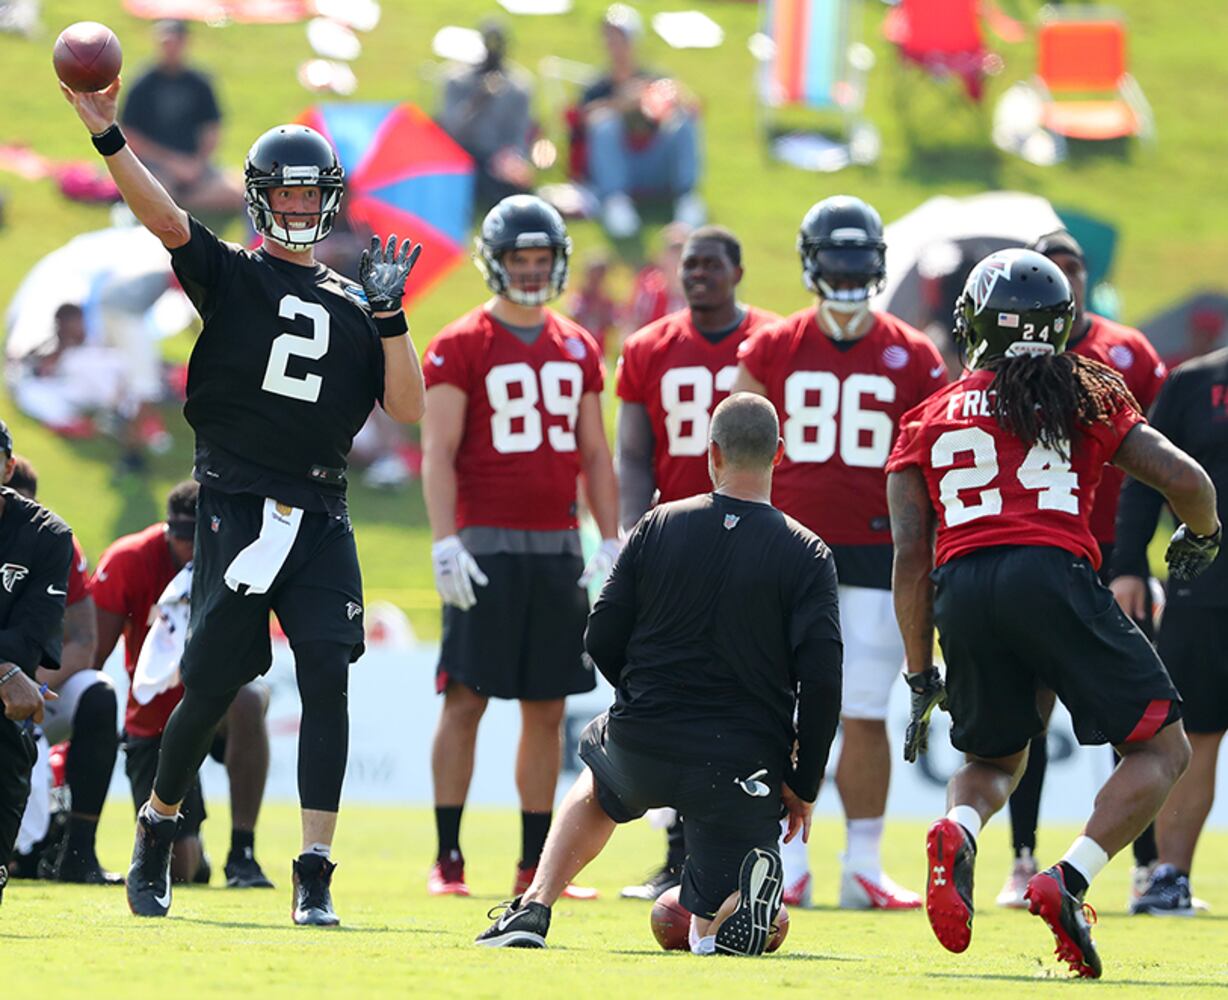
x: 746, y: 430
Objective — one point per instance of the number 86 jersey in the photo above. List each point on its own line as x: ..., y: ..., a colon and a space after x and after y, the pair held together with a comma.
x: 517, y: 463
x: 989, y: 488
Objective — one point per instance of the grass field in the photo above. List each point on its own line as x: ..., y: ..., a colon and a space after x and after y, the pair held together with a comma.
x: 62, y: 941
x: 1167, y: 201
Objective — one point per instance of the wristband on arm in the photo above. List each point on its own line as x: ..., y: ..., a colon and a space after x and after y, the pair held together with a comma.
x: 110, y: 141
x: 391, y: 326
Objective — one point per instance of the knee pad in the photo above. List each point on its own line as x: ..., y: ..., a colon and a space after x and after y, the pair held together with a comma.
x: 97, y: 709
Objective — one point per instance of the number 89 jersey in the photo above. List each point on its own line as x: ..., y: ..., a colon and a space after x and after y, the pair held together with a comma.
x: 990, y: 489
x: 518, y: 462
x: 679, y: 376
x: 839, y: 404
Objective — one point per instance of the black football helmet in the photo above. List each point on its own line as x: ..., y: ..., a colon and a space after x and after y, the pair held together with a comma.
x: 1015, y: 302
x: 841, y: 241
x: 292, y: 156
x: 522, y: 221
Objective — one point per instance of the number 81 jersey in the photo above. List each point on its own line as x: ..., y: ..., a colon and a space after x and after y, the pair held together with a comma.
x: 517, y: 463
x: 839, y: 404
x: 989, y: 488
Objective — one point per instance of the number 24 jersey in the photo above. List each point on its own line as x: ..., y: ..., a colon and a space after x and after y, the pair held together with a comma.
x: 518, y: 462
x: 990, y: 489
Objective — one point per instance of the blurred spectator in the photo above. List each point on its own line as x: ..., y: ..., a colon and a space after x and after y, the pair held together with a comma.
x: 486, y: 110
x: 590, y: 305
x: 642, y: 136
x: 658, y: 285
x: 382, y: 446
x: 172, y: 120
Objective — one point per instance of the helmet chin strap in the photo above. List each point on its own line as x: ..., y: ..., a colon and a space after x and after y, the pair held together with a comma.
x: 852, y: 304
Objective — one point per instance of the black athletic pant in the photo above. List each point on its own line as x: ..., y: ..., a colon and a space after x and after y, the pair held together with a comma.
x: 17, y: 755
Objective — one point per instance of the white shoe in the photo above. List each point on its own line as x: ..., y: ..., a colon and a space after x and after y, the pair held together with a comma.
x: 387, y: 472
x: 797, y: 892
x: 874, y: 891
x: 619, y: 216
x: 1011, y: 895
x: 690, y: 210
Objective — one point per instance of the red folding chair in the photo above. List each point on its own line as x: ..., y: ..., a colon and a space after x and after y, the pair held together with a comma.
x: 944, y: 38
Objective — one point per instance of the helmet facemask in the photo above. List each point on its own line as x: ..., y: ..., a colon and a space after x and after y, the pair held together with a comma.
x: 499, y: 280
x: 845, y: 278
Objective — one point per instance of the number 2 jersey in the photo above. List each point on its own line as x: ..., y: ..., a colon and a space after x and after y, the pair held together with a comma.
x: 283, y: 375
x: 678, y: 375
x: 839, y: 403
x: 990, y: 489
x: 517, y: 463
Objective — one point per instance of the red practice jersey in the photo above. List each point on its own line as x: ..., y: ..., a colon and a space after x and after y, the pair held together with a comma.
x: 989, y: 489
x: 130, y: 578
x: 1129, y: 352
x: 839, y: 406
x: 78, y: 575
x: 517, y: 463
x: 679, y: 376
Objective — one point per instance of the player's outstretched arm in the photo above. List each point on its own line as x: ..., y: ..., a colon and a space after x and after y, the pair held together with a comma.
x: 149, y: 201
x: 1151, y: 458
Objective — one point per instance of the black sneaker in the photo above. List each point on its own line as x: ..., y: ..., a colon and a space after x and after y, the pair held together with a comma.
x: 659, y: 882
x: 1167, y: 894
x: 520, y: 925
x: 82, y: 869
x: 204, y: 870
x: 1068, y: 917
x: 4, y: 880
x: 243, y: 871
x: 149, y: 876
x: 761, y: 883
x: 313, y: 902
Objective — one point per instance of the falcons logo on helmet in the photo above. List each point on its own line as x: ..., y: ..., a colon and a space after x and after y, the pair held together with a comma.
x: 987, y: 275
x: 10, y: 573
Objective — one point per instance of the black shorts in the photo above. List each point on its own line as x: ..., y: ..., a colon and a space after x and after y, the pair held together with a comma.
x: 1193, y: 644
x: 141, y: 764
x: 1014, y: 619
x: 317, y: 593
x: 18, y: 752
x: 524, y: 638
x: 723, y: 819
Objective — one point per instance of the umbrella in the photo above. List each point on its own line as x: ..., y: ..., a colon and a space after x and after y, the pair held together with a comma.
x: 403, y: 175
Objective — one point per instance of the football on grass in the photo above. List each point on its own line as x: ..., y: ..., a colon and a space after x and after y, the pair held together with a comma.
x: 671, y: 924
x: 87, y: 56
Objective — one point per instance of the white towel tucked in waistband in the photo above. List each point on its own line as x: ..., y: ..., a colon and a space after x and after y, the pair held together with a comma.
x: 256, y: 567
x: 157, y: 666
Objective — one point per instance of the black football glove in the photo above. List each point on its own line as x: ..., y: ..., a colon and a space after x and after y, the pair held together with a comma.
x: 383, y: 271
x: 928, y: 693
x: 1190, y: 555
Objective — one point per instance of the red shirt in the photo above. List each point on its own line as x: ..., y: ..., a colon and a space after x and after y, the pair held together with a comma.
x: 679, y: 376
x: 652, y: 297
x: 130, y: 578
x: 78, y: 576
x: 839, y: 406
x: 988, y: 489
x: 517, y: 463
x: 1130, y: 353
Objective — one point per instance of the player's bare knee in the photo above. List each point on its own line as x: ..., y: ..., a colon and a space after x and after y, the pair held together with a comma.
x: 542, y: 714
x: 463, y: 707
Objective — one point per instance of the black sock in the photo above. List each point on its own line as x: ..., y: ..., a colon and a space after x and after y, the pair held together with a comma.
x: 1075, y: 882
x: 1145, y: 851
x: 675, y: 851
x: 80, y: 836
x: 1025, y: 802
x: 447, y: 829
x: 92, y: 753
x: 242, y: 843
x: 533, y: 829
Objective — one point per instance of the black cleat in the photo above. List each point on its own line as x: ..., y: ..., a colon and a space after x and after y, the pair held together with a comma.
x: 1067, y: 916
x: 660, y: 881
x: 4, y: 880
x: 1167, y: 894
x: 313, y: 901
x: 243, y: 871
x: 761, y: 883
x: 82, y: 869
x: 149, y: 876
x: 520, y: 925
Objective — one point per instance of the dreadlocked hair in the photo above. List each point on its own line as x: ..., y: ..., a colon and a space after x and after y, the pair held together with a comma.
x: 1044, y: 398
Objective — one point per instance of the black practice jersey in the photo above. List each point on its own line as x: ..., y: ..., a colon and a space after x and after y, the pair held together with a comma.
x: 716, y: 614
x: 1192, y: 412
x: 284, y: 374
x: 35, y: 554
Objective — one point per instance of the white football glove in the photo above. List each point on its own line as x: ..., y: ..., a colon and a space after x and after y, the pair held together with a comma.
x: 601, y: 562
x: 456, y: 571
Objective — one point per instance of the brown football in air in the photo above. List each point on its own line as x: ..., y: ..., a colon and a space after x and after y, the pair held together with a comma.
x: 87, y: 56
x: 671, y: 923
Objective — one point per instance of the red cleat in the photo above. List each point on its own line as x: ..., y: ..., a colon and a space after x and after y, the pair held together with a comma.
x: 951, y: 853
x: 1068, y: 917
x: 447, y: 876
x: 797, y: 893
x: 524, y: 877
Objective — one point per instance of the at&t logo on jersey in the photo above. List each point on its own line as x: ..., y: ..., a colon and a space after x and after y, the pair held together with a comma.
x: 895, y: 357
x: 1121, y: 356
x: 575, y: 347
x: 10, y: 573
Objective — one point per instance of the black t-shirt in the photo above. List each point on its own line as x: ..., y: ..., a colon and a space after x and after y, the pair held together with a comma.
x: 284, y: 374
x: 1192, y: 412
x: 715, y: 612
x: 35, y: 554
x: 171, y: 108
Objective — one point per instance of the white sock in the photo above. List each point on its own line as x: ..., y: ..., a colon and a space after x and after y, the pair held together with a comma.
x: 321, y: 850
x: 793, y: 856
x: 968, y: 818
x: 1086, y: 857
x: 864, y: 839
x: 156, y: 816
x: 704, y: 945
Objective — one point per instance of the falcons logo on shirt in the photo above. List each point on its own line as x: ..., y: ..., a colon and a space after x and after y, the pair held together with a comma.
x: 987, y: 277
x: 10, y: 573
